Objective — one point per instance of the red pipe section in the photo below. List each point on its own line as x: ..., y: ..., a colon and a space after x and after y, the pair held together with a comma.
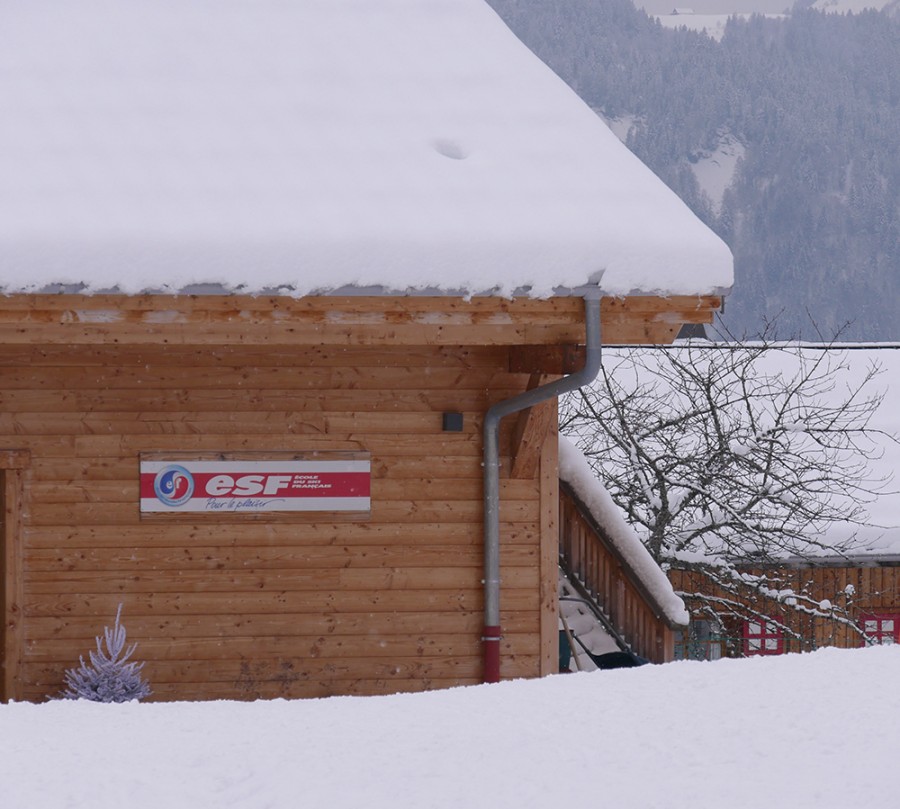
x: 491, y: 641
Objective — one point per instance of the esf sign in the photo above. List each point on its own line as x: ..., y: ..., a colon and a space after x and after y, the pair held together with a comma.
x: 219, y: 487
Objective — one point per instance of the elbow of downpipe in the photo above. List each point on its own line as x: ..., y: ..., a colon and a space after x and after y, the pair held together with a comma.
x: 588, y: 373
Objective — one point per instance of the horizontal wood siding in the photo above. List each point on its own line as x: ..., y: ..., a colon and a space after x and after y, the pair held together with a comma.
x: 588, y: 556
x: 298, y: 606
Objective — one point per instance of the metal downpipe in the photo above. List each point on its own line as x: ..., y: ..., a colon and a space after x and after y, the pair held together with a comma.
x: 522, y: 401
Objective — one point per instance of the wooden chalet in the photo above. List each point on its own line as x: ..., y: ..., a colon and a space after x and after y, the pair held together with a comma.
x: 243, y: 392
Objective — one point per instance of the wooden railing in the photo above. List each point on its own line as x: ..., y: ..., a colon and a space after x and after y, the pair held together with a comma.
x: 592, y: 563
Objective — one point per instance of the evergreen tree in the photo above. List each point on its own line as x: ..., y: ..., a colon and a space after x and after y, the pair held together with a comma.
x: 110, y: 676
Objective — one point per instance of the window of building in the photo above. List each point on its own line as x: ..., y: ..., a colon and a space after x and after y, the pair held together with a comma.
x: 762, y: 637
x: 702, y: 640
x: 880, y: 628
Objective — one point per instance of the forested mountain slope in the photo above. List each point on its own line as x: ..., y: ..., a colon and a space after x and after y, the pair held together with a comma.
x: 812, y: 102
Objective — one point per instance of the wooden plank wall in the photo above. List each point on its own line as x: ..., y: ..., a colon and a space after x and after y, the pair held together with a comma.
x: 871, y: 590
x: 249, y: 608
x: 587, y: 556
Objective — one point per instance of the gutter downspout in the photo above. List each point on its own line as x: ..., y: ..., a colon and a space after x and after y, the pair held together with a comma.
x: 521, y: 401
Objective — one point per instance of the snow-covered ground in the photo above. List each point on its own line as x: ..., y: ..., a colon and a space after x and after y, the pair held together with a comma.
x: 713, y: 24
x: 715, y: 171
x: 802, y: 731
x: 856, y: 6
x: 722, y: 8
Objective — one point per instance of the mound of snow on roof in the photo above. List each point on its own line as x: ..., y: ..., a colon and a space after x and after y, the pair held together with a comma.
x: 312, y: 146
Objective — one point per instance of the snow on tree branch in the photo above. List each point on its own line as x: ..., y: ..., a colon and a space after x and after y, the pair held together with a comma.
x: 727, y: 455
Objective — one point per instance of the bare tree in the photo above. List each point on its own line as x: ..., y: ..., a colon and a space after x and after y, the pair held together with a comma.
x: 727, y: 456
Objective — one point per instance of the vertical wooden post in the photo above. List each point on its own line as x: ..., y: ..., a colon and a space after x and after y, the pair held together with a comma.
x: 549, y: 558
x: 11, y: 572
x: 4, y: 590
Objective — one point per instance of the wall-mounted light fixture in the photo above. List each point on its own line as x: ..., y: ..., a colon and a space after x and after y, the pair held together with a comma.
x: 453, y: 422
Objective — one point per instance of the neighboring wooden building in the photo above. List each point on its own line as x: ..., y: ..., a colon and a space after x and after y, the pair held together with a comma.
x: 247, y: 403
x: 862, y: 592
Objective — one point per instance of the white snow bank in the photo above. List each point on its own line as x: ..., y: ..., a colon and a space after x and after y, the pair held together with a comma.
x: 575, y: 470
x: 805, y: 731
x: 310, y: 146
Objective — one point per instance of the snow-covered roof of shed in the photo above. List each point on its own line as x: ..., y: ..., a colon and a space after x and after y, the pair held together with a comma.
x: 316, y: 145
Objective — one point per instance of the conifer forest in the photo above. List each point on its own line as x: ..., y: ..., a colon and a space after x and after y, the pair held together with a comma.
x: 810, y: 103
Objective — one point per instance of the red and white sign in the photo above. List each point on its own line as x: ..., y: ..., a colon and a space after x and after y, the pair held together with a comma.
x: 223, y: 486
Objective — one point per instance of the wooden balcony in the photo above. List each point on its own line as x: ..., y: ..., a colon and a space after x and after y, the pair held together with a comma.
x: 591, y: 561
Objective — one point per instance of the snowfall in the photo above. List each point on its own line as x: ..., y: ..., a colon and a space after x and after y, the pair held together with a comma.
x: 813, y: 730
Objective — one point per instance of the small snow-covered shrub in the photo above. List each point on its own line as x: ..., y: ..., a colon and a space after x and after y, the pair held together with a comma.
x: 110, y: 677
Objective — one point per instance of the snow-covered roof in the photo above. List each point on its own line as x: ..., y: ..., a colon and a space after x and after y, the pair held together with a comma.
x: 575, y: 470
x: 315, y: 145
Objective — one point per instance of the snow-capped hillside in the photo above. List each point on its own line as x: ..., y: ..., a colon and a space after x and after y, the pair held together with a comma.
x: 724, y: 8
x: 712, y: 24
x: 715, y: 170
x: 892, y: 7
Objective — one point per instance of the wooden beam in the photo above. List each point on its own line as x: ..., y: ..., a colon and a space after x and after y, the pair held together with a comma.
x: 530, y: 431
x: 549, y: 553
x: 217, y: 320
x: 15, y: 458
x: 558, y: 359
x: 624, y: 321
x: 12, y: 573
